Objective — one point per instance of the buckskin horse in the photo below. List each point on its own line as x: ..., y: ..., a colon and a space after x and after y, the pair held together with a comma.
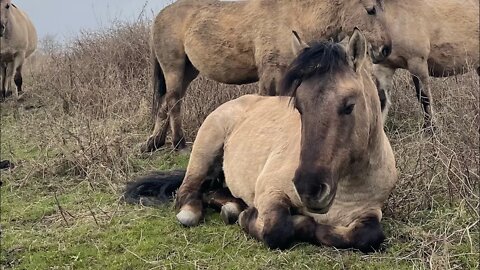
x: 241, y: 42
x: 314, y: 165
x: 18, y: 40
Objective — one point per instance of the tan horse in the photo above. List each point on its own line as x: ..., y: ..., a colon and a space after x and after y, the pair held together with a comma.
x: 318, y: 173
x: 18, y: 40
x: 242, y: 42
x: 430, y: 37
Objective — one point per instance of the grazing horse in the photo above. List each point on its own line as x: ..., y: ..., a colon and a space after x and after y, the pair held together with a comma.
x: 317, y: 171
x: 429, y: 37
x: 18, y: 40
x: 241, y: 42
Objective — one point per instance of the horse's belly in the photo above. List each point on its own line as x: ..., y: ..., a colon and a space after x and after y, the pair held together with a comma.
x: 221, y: 50
x: 448, y: 59
x: 223, y: 63
x: 242, y: 166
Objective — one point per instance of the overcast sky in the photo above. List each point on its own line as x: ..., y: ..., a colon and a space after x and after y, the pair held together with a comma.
x: 64, y: 18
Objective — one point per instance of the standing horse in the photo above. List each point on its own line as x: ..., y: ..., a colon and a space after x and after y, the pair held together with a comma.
x: 319, y: 172
x: 18, y: 40
x: 242, y: 42
x: 430, y: 37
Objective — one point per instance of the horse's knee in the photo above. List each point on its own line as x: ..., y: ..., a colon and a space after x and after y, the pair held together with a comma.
x: 368, y: 236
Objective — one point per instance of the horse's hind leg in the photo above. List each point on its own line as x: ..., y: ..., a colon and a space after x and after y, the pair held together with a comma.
x: 383, y: 81
x: 3, y: 82
x: 421, y: 80
x: 7, y: 80
x: 229, y: 206
x: 174, y: 103
x: 16, y: 69
x: 206, y: 154
x: 18, y: 79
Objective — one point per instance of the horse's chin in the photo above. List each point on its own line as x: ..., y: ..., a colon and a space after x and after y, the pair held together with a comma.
x: 321, y: 208
x: 319, y: 211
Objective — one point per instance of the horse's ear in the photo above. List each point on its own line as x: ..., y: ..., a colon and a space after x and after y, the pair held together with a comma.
x: 298, y: 45
x: 357, y: 50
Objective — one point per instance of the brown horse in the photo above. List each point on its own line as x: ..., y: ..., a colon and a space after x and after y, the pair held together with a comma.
x: 242, y: 42
x: 430, y: 37
x: 319, y: 172
x: 18, y: 40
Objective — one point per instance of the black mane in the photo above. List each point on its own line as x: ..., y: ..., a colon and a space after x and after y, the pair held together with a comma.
x: 319, y: 59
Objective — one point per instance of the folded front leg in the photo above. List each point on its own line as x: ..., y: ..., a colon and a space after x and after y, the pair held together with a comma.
x: 271, y: 223
x: 364, y: 234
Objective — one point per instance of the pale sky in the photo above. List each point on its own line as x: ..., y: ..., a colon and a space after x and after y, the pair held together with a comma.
x: 64, y: 18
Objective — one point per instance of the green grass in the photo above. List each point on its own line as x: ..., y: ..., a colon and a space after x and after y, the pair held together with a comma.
x: 95, y: 230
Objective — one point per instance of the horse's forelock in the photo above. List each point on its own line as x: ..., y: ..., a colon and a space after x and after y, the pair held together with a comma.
x: 321, y: 58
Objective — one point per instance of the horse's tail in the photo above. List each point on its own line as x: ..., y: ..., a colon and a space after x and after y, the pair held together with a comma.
x: 154, y: 189
x: 159, y: 86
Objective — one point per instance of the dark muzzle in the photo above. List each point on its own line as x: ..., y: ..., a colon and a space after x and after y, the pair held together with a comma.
x: 314, y: 189
x: 380, y: 55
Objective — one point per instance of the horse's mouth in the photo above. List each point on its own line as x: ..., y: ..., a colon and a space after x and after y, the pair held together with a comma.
x: 380, y: 55
x: 318, y: 210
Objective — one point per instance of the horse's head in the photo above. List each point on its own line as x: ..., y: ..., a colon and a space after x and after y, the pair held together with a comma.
x: 329, y: 85
x: 370, y: 17
x: 5, y: 6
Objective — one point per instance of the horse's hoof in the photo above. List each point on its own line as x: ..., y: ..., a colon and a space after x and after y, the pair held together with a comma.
x: 188, y: 218
x: 230, y: 213
x: 6, y: 164
x: 185, y: 151
x: 429, y: 131
x: 246, y: 216
x: 151, y: 145
x: 179, y: 145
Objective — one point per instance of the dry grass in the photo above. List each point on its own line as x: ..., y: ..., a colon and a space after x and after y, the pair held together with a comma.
x: 87, y: 109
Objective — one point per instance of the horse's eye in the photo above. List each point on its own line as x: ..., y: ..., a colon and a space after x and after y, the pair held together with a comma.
x: 7, y: 6
x: 372, y: 11
x: 348, y: 109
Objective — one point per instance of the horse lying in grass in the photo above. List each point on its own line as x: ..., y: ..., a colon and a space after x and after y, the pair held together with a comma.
x: 18, y: 40
x: 239, y: 42
x: 430, y: 37
x: 314, y: 167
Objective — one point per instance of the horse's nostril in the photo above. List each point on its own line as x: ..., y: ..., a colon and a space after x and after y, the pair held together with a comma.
x: 386, y: 50
x: 323, y: 193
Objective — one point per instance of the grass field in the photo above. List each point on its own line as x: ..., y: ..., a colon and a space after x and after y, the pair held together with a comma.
x: 75, y: 142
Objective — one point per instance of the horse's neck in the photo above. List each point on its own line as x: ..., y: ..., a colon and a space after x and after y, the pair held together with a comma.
x: 314, y: 20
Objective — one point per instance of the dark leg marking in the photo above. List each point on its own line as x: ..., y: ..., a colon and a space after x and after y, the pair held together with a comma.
x: 18, y: 81
x: 366, y: 235
x: 278, y: 228
x: 425, y: 101
x: 229, y: 206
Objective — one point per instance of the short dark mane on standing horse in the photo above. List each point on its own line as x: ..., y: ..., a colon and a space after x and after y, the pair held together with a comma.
x: 319, y: 59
